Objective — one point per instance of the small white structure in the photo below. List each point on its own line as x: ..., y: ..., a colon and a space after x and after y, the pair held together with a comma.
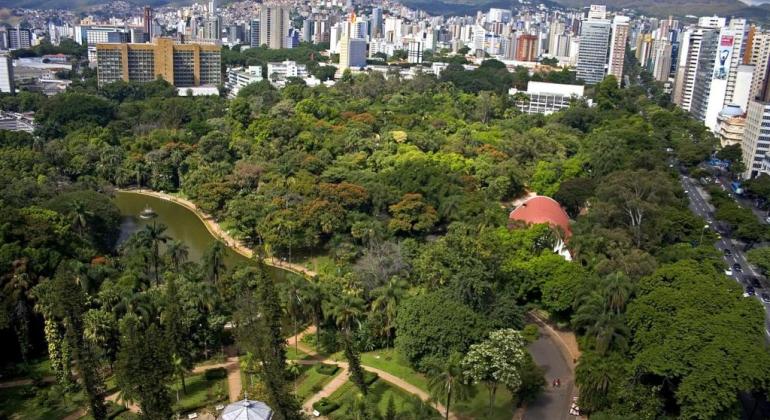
x: 547, y: 98
x: 240, y: 77
x: 246, y: 410
x: 279, y: 72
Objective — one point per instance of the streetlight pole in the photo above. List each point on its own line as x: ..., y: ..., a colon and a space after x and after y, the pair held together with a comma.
x: 701, y: 233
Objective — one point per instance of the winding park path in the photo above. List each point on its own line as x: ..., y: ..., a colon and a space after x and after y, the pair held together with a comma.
x: 216, y: 230
x: 342, y: 377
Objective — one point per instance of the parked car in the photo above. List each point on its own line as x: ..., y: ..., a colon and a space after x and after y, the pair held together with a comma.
x: 755, y: 282
x: 750, y: 291
x: 728, y: 272
x: 737, y: 268
x: 728, y: 252
x: 765, y: 297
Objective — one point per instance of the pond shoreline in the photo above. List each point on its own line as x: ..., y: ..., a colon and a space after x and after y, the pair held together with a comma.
x: 216, y: 231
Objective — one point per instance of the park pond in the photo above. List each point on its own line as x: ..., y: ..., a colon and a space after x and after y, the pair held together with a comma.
x: 181, y: 223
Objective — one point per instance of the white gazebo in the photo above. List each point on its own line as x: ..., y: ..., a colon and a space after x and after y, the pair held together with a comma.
x: 247, y: 410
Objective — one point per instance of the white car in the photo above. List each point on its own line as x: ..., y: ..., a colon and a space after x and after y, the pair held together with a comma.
x: 729, y: 272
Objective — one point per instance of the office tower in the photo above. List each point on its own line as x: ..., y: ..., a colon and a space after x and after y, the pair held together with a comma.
x: 307, y: 30
x: 254, y: 32
x: 756, y: 141
x: 414, y: 52
x: 351, y: 46
x: 274, y: 26
x: 376, y: 26
x: 212, y: 8
x: 526, y: 47
x: 147, y: 20
x: 618, y: 47
x: 182, y: 65
x: 738, y: 29
x: 6, y: 75
x: 593, y: 49
x: 19, y: 38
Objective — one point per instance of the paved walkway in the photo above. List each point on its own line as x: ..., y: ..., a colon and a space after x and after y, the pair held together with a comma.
x: 216, y: 231
x: 342, y: 377
x: 233, y: 367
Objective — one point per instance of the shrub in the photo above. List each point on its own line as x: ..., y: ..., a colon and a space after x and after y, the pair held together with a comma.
x: 326, y: 369
x: 215, y: 373
x: 370, y: 377
x: 325, y: 406
x: 530, y: 333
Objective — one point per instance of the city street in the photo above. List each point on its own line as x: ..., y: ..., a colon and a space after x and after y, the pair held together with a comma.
x: 701, y: 206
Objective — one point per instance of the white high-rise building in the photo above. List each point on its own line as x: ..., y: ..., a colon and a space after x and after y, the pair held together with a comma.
x: 738, y: 28
x: 6, y: 75
x: 687, y: 68
x: 759, y: 57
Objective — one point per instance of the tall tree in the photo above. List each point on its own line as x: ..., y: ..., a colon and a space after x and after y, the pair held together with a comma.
x: 387, y: 300
x: 145, y: 367
x: 214, y: 261
x: 313, y: 299
x: 495, y: 361
x: 347, y: 311
x: 177, y: 252
x: 155, y: 234
x: 446, y: 382
x: 69, y: 305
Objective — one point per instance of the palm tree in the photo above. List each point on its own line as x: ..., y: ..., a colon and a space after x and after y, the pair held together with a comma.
x: 313, y: 299
x: 387, y: 300
x: 177, y: 252
x: 248, y: 364
x: 214, y: 261
x: 156, y: 234
x: 80, y: 215
x: 179, y: 369
x: 618, y: 289
x: 294, y: 305
x: 445, y: 382
x: 347, y: 310
x: 600, y: 322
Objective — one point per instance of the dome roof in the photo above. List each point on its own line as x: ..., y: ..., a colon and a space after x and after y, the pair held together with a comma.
x: 542, y: 209
x: 731, y: 110
x: 247, y: 410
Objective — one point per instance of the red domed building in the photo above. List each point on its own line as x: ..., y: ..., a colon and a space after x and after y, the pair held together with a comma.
x: 542, y: 209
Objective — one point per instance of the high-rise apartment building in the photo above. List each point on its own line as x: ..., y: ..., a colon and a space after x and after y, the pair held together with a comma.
x: 618, y: 47
x: 593, y: 49
x: 526, y: 47
x: 661, y: 56
x: 756, y: 137
x: 759, y: 56
x: 19, y: 38
x: 274, y: 26
x: 182, y: 65
x: 738, y: 30
x: 687, y: 62
x: 6, y: 75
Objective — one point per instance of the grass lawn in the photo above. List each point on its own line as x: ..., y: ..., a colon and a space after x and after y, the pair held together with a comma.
x: 477, y: 407
x: 390, y: 361
x: 200, y: 393
x: 292, y: 354
x: 29, y: 402
x: 310, y: 382
x: 40, y: 368
x: 379, y: 394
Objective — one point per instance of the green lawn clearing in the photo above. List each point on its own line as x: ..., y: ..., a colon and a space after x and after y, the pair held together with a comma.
x: 379, y: 394
x: 311, y: 381
x: 390, y: 361
x: 201, y: 393
x: 31, y: 402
